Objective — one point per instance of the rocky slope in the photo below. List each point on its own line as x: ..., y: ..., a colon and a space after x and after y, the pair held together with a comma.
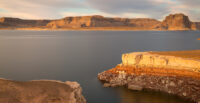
x: 42, y: 91
x: 96, y: 22
x: 6, y: 22
x: 153, y: 71
x: 178, y: 22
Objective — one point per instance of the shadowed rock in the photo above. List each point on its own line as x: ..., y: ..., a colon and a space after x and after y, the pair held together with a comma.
x: 176, y: 22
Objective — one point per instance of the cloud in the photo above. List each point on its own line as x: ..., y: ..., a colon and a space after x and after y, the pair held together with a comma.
x: 125, y: 15
x: 64, y: 14
x: 153, y: 8
x: 189, y: 7
x: 37, y: 8
x: 148, y: 8
x: 51, y: 9
x: 191, y: 3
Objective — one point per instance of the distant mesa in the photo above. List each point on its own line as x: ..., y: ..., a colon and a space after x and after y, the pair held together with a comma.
x: 14, y: 23
x: 98, y: 22
x: 101, y: 22
x: 177, y: 22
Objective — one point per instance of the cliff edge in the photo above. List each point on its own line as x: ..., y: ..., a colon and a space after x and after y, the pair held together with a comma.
x: 176, y: 22
x: 159, y: 71
x: 41, y: 91
x: 152, y: 59
x: 8, y: 22
x: 98, y: 22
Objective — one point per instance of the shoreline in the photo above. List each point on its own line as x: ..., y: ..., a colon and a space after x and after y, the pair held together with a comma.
x: 157, y: 71
x: 18, y: 29
x: 39, y: 91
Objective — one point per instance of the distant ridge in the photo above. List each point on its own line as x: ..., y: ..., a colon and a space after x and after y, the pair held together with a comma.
x: 98, y: 22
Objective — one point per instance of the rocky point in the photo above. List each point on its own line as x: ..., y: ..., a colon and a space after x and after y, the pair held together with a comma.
x: 153, y: 71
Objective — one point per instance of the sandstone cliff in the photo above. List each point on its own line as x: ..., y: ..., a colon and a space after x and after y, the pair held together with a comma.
x: 100, y: 21
x: 176, y: 22
x: 42, y: 91
x: 196, y: 26
x: 19, y: 23
x: 159, y: 61
x: 96, y: 22
x: 176, y: 74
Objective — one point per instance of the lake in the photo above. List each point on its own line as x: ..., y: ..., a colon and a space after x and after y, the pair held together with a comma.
x: 81, y: 55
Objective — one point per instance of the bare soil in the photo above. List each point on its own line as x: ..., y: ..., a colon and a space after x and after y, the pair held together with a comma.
x: 192, y: 54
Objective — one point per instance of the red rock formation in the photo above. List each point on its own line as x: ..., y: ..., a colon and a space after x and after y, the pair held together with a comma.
x: 16, y: 22
x: 160, y: 71
x: 195, y: 26
x: 172, y: 22
x: 176, y: 22
x: 100, y: 21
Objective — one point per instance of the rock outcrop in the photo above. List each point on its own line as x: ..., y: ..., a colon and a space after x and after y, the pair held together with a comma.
x: 20, y: 23
x: 97, y: 22
x: 196, y: 26
x: 148, y: 59
x: 152, y: 71
x: 176, y: 22
x: 100, y: 21
x: 42, y: 91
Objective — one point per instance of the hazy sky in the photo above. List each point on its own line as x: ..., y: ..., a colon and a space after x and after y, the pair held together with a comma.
x: 51, y: 9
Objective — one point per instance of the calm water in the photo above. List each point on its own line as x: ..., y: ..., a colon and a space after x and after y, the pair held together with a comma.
x: 81, y: 55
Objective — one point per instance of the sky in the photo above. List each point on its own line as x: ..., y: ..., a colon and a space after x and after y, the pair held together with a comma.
x: 56, y: 9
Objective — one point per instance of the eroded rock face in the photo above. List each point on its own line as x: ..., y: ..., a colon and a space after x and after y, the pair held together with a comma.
x: 159, y: 61
x: 97, y: 22
x: 43, y: 91
x: 147, y: 70
x: 185, y: 87
x: 16, y: 22
x: 100, y: 21
x: 176, y: 22
x: 196, y: 26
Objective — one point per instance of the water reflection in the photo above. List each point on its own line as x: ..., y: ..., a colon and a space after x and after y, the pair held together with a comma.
x: 81, y: 55
x: 130, y: 96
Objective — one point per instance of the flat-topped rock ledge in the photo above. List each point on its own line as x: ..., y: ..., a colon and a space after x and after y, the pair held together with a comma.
x: 160, y: 71
x: 41, y: 91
